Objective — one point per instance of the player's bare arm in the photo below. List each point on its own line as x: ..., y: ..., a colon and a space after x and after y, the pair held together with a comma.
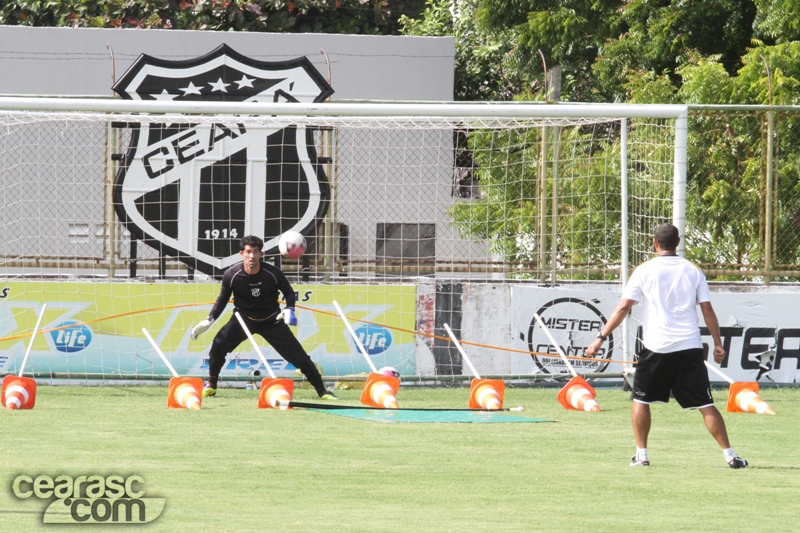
x: 617, y: 316
x: 712, y: 324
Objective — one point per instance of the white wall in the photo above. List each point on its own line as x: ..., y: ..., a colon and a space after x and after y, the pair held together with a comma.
x: 77, y: 61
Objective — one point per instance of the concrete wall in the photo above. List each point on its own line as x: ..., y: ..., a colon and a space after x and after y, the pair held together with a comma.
x: 77, y: 61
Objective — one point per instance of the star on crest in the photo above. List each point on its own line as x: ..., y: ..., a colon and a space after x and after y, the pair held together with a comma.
x: 219, y: 85
x: 191, y: 89
x: 165, y: 95
x: 245, y: 82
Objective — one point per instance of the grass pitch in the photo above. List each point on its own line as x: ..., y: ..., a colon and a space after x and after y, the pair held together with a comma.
x: 233, y: 467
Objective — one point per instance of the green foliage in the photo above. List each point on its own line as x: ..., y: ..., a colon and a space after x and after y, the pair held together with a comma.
x: 647, y: 87
x: 483, y: 69
x: 727, y: 158
x: 298, y: 16
x: 663, y: 36
x: 777, y: 20
x: 566, y: 33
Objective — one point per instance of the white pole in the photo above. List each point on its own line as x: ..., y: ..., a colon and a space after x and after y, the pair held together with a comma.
x: 258, y: 350
x: 460, y: 349
x: 33, y: 338
x: 558, y: 348
x: 355, y: 337
x: 159, y: 352
x: 718, y: 372
x: 625, y: 243
x: 679, y: 179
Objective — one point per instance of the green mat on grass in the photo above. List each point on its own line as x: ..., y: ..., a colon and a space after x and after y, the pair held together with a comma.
x: 391, y: 415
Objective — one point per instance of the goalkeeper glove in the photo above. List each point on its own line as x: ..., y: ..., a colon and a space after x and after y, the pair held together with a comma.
x: 202, y: 327
x: 288, y: 316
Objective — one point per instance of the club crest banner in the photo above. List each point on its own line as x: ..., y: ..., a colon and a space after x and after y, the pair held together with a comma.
x: 192, y: 191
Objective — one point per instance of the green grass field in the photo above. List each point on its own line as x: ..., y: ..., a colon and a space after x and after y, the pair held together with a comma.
x: 233, y: 467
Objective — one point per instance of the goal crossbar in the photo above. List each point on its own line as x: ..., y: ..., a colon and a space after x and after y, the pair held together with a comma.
x: 489, y: 110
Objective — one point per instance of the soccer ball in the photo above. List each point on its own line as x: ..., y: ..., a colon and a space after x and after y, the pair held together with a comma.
x: 389, y: 371
x: 292, y: 244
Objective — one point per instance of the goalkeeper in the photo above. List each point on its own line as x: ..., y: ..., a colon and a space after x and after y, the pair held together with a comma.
x: 255, y: 285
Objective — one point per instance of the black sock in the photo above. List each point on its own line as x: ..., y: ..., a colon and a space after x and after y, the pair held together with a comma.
x: 213, y: 381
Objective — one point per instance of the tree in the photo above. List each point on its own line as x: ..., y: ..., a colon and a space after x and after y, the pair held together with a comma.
x: 568, y: 33
x: 482, y: 71
x: 777, y: 20
x: 660, y: 37
x: 301, y: 16
x: 727, y: 156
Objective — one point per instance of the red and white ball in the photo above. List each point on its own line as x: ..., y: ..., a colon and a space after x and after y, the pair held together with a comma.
x: 292, y: 244
x: 389, y: 371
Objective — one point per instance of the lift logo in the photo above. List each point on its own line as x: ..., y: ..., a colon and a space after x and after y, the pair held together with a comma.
x: 574, y: 324
x: 71, y: 337
x: 375, y: 339
x: 193, y: 190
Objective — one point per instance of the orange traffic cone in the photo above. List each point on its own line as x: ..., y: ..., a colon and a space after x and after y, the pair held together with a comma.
x: 578, y: 395
x: 275, y: 393
x: 185, y: 393
x: 18, y: 393
x: 486, y: 394
x: 380, y: 391
x: 743, y: 398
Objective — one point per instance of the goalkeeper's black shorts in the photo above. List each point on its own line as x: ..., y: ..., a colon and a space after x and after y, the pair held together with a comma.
x: 276, y: 333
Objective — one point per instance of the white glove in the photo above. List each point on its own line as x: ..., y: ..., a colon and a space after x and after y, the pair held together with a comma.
x: 288, y: 316
x: 202, y: 327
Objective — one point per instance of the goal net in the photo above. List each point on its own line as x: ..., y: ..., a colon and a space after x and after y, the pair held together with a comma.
x: 475, y: 216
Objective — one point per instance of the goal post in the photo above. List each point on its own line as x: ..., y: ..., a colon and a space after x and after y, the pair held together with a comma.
x: 122, y: 214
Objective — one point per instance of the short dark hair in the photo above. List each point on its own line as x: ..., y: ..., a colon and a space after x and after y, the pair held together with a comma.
x: 667, y: 236
x: 251, y: 240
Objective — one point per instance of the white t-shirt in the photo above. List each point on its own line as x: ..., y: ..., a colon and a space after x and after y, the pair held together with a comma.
x: 671, y: 288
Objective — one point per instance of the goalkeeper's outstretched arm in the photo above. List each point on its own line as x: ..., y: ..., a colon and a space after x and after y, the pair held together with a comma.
x: 216, y: 311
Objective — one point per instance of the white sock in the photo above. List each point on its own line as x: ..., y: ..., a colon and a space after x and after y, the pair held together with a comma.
x: 641, y: 454
x: 729, y: 454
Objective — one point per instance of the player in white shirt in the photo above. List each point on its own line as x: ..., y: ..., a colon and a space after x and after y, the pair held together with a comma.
x: 672, y: 361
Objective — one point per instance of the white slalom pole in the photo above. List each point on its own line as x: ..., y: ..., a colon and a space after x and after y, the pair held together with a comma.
x: 159, y: 352
x: 258, y: 350
x: 718, y: 372
x: 460, y: 349
x: 33, y: 338
x: 560, y: 352
x: 355, y: 337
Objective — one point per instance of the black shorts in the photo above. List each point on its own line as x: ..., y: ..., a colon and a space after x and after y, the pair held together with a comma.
x: 682, y: 374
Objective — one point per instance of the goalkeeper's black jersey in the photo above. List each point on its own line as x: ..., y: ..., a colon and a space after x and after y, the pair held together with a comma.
x: 255, y: 296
